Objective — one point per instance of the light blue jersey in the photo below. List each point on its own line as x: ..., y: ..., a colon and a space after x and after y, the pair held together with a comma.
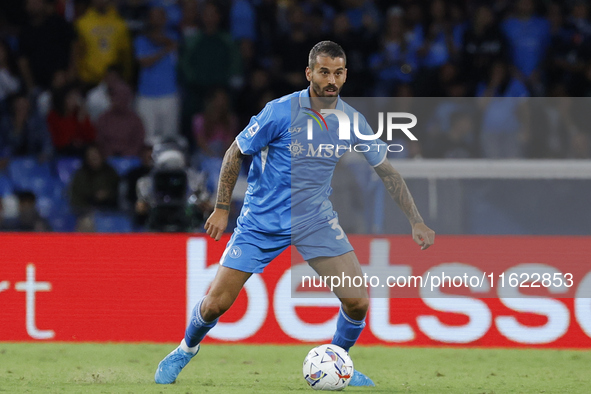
x: 289, y: 179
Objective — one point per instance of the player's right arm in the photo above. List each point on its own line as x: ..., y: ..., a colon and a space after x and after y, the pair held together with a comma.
x: 261, y: 130
x: 218, y: 221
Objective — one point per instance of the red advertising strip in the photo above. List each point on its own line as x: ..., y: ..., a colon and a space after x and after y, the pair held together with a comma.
x: 140, y: 288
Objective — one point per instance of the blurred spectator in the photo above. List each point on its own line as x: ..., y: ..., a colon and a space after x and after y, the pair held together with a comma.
x: 45, y: 98
x: 364, y: 17
x: 95, y: 185
x: 528, y: 37
x: 440, y: 44
x: 12, y: 14
x: 45, y: 45
x: 291, y: 52
x: 564, y: 136
x: 397, y: 62
x: 208, y: 60
x: 103, y: 41
x: 135, y: 13
x: 157, y: 101
x: 242, y: 20
x: 173, y: 13
x: 24, y: 132
x: 505, y: 120
x: 267, y: 29
x: 501, y: 83
x: 571, y: 48
x: 69, y: 124
x: 243, y: 30
x: 324, y: 10
x: 98, y: 100
x: 189, y: 25
x: 357, y: 47
x: 250, y: 98
x: 119, y: 131
x: 484, y: 44
x: 28, y: 218
x: 9, y: 81
x: 457, y: 143
x: 216, y: 128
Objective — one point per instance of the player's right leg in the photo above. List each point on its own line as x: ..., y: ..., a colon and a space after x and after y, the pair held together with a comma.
x: 246, y: 253
x: 224, y: 290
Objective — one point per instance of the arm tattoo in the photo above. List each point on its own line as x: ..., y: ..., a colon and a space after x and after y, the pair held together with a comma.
x: 399, y: 191
x: 228, y: 176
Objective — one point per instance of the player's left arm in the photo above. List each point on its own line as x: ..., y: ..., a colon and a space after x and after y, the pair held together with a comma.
x: 398, y: 190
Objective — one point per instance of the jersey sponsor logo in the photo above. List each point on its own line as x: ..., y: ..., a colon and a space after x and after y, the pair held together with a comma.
x: 252, y: 130
x: 295, y: 148
x: 295, y: 130
x: 327, y: 150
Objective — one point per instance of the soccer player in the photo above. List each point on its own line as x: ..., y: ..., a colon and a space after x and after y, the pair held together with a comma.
x: 287, y: 203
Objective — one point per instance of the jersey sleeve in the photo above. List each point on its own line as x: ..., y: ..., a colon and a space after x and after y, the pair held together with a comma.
x: 375, y: 151
x: 261, y: 130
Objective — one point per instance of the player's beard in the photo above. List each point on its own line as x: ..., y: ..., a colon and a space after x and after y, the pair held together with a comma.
x: 328, y: 98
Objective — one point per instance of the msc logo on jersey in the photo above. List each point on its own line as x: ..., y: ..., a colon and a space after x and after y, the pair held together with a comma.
x: 235, y: 252
x: 295, y: 148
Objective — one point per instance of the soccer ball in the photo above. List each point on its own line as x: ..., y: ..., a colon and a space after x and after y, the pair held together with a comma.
x: 328, y: 367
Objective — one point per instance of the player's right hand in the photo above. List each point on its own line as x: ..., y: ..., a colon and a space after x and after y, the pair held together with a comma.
x: 216, y: 223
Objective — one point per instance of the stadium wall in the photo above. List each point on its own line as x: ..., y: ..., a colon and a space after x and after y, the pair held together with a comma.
x: 140, y: 288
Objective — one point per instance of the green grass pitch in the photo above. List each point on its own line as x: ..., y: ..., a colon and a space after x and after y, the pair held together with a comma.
x: 129, y: 368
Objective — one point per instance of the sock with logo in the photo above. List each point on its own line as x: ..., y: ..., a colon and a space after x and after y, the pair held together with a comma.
x: 348, y: 330
x: 198, y: 327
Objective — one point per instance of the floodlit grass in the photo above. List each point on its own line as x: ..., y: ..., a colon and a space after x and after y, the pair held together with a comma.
x: 129, y: 368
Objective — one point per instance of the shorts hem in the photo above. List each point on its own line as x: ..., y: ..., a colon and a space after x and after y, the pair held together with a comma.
x: 310, y: 256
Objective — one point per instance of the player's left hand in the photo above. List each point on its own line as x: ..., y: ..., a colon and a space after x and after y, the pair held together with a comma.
x: 423, y: 235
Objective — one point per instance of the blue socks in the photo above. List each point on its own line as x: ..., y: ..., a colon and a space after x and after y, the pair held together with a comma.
x: 197, y: 328
x: 348, y: 330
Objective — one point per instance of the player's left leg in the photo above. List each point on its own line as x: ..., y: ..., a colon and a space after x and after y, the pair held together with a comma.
x: 354, y: 304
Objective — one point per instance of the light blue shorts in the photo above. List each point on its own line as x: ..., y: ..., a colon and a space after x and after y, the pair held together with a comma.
x: 251, y: 251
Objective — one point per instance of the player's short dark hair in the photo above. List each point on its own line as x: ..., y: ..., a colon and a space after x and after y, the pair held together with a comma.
x: 325, y: 48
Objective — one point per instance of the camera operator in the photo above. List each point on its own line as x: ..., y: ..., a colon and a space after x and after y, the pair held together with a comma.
x: 173, y: 197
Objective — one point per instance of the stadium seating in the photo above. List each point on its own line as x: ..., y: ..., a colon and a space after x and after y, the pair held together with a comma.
x: 28, y: 174
x: 66, y: 167
x: 6, y: 187
x: 124, y: 164
x: 112, y: 222
x: 62, y: 223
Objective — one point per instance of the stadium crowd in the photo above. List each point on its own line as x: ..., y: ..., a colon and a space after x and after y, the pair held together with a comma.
x: 88, y: 87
